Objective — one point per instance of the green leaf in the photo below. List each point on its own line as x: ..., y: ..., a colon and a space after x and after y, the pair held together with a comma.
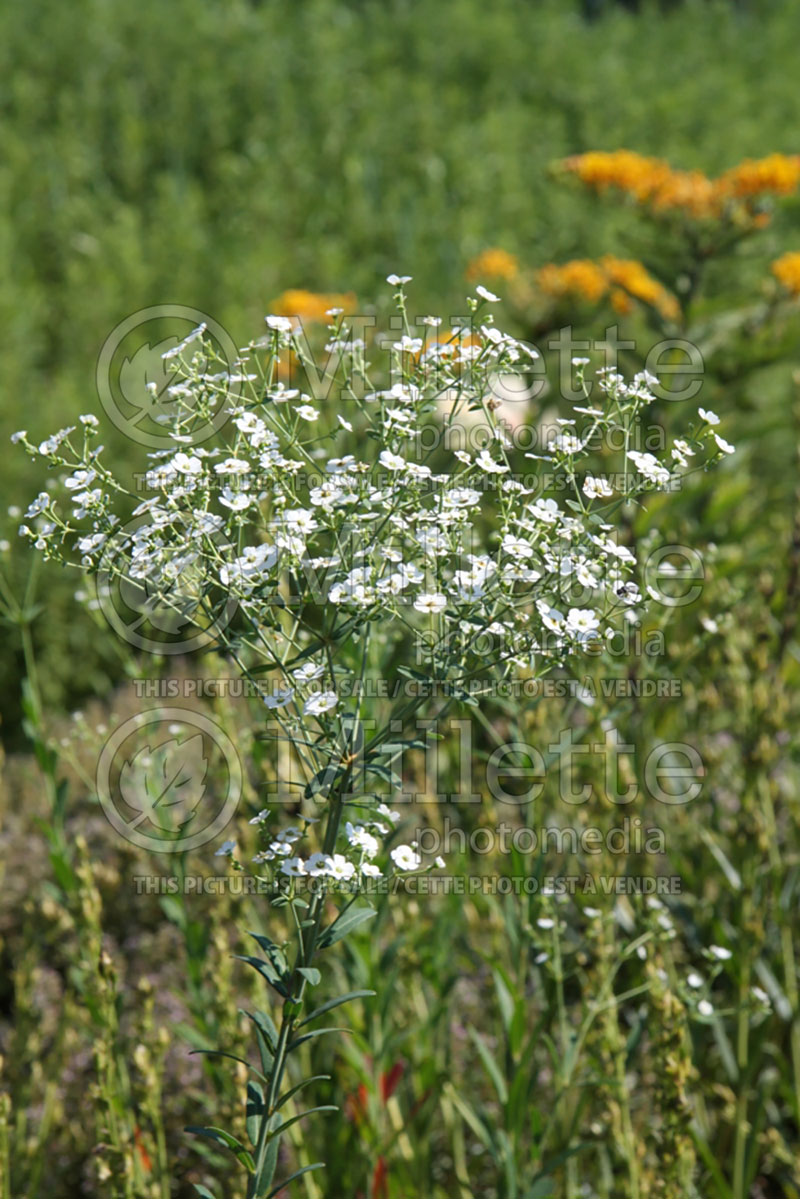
x: 308, y: 1036
x: 282, y: 1185
x: 469, y: 1116
x: 255, y: 1110
x: 221, y: 1137
x: 273, y: 953
x: 298, y: 1087
x: 266, y: 970
x: 310, y: 974
x: 333, y: 1003
x: 492, y: 1068
x: 504, y: 999
x: 203, y: 1191
x: 268, y: 1161
x: 325, y: 1107
x: 349, y: 920
x: 266, y: 1038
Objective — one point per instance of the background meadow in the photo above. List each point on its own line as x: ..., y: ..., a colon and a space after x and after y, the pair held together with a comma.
x: 216, y: 154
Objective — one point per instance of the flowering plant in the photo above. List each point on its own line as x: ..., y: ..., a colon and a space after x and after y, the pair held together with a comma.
x: 311, y: 569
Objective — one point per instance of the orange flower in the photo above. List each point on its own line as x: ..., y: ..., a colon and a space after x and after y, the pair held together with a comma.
x: 618, y: 278
x: 493, y: 264
x: 653, y: 182
x: 778, y: 173
x: 623, y: 169
x: 632, y: 277
x: 786, y: 270
x: 311, y: 305
x: 581, y: 278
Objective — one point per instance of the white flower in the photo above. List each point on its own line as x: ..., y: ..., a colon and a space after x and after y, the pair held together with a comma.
x: 308, y: 672
x: 370, y: 870
x: 705, y: 1008
x: 487, y: 295
x: 232, y: 466
x: 358, y: 836
x: 720, y: 953
x: 695, y: 981
x: 388, y: 813
x: 294, y: 867
x: 546, y: 510
x: 724, y: 445
x: 545, y: 922
x: 486, y: 462
x: 281, y: 324
x: 708, y: 416
x: 406, y: 858
x: 280, y: 848
x: 237, y: 501
x: 398, y: 280
x: 187, y: 464
x: 261, y: 817
x: 649, y: 466
x: 408, y: 345
x: 319, y: 864
x: 582, y: 621
x: 80, y: 478
x: 307, y: 412
x: 319, y: 702
x: 226, y: 850
x: 430, y: 603
x: 392, y: 461
x: 279, y: 698
x: 462, y: 497
x: 339, y: 867
x: 565, y: 443
x: 87, y: 545
x: 595, y: 488
x: 300, y: 520
x: 38, y: 505
x: 439, y: 862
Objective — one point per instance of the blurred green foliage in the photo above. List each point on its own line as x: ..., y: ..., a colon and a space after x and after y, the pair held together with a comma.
x: 212, y: 154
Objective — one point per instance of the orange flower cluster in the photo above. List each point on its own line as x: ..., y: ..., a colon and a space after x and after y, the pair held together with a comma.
x: 777, y: 173
x: 493, y: 263
x: 621, y: 279
x: 786, y: 270
x: 311, y: 305
x: 653, y: 182
x: 581, y: 277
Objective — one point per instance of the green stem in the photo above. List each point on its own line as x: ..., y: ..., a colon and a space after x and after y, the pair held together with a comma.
x: 305, y: 957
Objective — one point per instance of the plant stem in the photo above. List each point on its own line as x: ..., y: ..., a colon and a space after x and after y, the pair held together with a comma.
x: 304, y: 958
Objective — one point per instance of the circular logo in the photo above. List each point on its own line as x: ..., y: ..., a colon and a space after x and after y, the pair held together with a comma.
x: 169, y: 780
x: 154, y: 589
x: 137, y: 383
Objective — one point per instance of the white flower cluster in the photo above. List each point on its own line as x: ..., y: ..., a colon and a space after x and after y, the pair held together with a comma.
x: 361, y: 844
x: 319, y: 525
